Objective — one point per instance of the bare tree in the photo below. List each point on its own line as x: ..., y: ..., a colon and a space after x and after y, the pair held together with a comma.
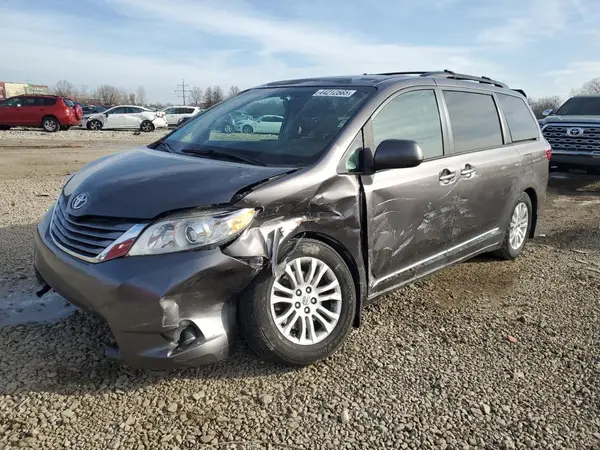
x: 591, y: 87
x: 132, y: 99
x: 208, y: 97
x: 233, y: 91
x: 217, y: 96
x: 64, y: 88
x: 108, y: 95
x: 141, y: 95
x: 195, y: 96
x: 541, y: 104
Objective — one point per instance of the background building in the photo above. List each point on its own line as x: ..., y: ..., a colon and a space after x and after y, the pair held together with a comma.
x: 8, y: 89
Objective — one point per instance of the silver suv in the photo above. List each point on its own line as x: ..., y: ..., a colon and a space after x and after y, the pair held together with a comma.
x: 371, y: 182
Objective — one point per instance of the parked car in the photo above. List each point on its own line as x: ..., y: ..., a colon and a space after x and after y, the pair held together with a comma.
x: 268, y: 124
x: 175, y: 113
x: 93, y: 109
x: 573, y: 131
x: 126, y: 117
x: 50, y: 112
x: 182, y: 244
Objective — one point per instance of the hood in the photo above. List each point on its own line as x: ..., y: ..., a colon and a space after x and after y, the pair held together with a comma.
x: 143, y: 183
x: 571, y: 119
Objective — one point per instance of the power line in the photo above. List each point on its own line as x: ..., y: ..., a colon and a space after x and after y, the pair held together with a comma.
x: 181, y: 88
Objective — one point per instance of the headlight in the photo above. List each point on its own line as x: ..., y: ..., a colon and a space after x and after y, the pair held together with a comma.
x: 192, y: 231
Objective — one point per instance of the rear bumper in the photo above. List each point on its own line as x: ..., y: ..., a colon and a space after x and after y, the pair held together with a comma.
x: 566, y: 162
x: 68, y: 120
x: 147, y: 301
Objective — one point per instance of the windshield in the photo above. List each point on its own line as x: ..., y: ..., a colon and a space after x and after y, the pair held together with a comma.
x: 283, y: 126
x: 580, y: 106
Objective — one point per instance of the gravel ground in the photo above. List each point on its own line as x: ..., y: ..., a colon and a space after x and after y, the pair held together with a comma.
x: 486, y: 354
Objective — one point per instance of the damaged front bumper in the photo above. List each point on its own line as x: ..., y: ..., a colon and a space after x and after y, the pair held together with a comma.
x: 168, y: 310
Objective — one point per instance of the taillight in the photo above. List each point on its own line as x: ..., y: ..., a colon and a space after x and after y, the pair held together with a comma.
x: 549, y: 153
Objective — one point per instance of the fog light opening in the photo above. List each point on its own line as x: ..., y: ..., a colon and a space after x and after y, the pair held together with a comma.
x: 188, y: 336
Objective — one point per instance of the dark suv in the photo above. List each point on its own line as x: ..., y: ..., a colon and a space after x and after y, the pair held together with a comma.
x: 370, y: 183
x: 49, y: 112
x: 573, y: 131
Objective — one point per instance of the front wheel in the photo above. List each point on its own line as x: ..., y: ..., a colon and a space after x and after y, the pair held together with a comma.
x: 518, y: 230
x: 94, y: 125
x: 303, y: 314
x: 247, y: 129
x: 147, y: 126
x: 228, y: 128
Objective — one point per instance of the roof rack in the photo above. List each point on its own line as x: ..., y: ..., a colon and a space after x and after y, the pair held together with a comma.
x: 450, y: 75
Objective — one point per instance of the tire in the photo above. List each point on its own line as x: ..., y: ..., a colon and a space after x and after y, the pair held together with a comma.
x: 4, y: 127
x: 228, y: 128
x: 257, y: 315
x: 65, y: 127
x: 509, y: 250
x: 147, y: 126
x: 94, y: 125
x: 247, y: 129
x: 50, y: 124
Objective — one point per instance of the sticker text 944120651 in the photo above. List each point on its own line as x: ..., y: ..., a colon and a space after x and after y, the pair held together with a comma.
x: 334, y: 93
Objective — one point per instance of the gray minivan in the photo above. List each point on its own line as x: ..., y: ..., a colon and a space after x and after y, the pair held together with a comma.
x: 371, y: 182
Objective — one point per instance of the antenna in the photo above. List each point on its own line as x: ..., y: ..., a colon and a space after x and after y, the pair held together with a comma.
x: 181, y: 88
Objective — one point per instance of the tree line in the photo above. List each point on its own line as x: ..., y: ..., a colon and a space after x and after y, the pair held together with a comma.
x: 109, y: 95
x: 539, y: 105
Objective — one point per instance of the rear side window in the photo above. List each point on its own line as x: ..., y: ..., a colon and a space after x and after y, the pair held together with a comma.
x: 48, y: 101
x: 474, y: 120
x: 414, y: 116
x: 521, y: 123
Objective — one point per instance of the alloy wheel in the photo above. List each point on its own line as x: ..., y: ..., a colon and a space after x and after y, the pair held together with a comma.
x: 306, y: 301
x: 519, y: 223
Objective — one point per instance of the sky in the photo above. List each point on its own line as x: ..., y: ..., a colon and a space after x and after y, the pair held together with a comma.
x: 546, y: 47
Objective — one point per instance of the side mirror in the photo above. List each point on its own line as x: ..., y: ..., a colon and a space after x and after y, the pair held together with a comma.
x: 397, y: 154
x: 546, y: 112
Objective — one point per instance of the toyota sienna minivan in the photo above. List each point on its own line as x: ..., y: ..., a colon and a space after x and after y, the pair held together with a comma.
x: 370, y: 183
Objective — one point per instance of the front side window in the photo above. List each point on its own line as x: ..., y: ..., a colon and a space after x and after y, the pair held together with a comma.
x: 521, y: 124
x: 12, y: 102
x: 474, y: 120
x: 413, y: 116
x: 119, y: 110
x: 310, y: 118
x: 31, y: 101
x: 170, y: 111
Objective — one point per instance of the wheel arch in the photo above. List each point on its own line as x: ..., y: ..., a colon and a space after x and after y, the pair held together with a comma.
x: 345, y: 254
x: 51, y: 116
x: 534, y: 203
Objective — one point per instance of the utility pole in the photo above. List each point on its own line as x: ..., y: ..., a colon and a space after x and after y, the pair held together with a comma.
x: 181, y: 88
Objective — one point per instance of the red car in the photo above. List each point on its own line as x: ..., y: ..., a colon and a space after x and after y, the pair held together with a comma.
x: 49, y: 112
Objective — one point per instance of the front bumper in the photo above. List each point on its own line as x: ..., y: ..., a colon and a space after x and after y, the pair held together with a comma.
x: 572, y: 162
x: 148, y: 300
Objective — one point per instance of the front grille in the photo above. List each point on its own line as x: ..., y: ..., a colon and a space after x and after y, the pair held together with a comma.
x: 559, y: 140
x: 85, y: 236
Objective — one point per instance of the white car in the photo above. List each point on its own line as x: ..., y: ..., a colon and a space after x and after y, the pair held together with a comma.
x: 176, y: 113
x: 269, y: 124
x: 125, y: 117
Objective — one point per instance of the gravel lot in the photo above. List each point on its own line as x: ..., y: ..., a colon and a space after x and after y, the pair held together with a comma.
x: 432, y: 367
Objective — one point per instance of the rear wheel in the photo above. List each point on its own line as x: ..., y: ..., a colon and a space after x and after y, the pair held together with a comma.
x: 147, y: 126
x: 304, y: 314
x: 94, y: 125
x: 228, y: 128
x: 50, y: 124
x: 518, y: 230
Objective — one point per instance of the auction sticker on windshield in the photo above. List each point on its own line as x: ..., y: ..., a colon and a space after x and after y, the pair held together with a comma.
x: 334, y: 93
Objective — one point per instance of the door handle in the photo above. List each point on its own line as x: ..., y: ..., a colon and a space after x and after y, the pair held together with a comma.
x: 468, y: 171
x: 447, y: 176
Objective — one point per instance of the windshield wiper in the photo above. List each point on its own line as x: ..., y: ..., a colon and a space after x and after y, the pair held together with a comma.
x: 223, y: 154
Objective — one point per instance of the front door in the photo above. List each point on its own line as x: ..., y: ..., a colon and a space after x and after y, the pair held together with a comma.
x: 30, y: 111
x: 115, y: 118
x: 11, y: 111
x: 487, y: 171
x: 409, y: 211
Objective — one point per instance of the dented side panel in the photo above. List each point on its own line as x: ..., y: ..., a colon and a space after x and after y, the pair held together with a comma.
x: 409, y: 219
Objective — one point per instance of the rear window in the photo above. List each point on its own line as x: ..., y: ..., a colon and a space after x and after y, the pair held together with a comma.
x: 69, y: 102
x: 474, y: 120
x: 521, y: 124
x: 48, y: 101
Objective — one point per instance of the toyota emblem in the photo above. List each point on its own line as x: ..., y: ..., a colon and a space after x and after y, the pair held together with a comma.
x: 574, y: 131
x: 79, y: 201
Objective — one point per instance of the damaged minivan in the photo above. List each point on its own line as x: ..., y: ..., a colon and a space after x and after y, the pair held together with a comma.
x: 367, y: 183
